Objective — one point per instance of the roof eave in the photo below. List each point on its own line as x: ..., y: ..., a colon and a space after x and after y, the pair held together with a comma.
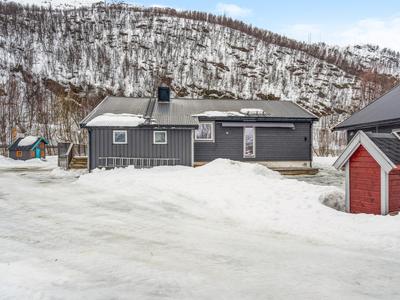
x: 255, y: 118
x: 363, y: 125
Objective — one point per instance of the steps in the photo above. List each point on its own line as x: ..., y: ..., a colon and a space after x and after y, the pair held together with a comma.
x: 79, y: 162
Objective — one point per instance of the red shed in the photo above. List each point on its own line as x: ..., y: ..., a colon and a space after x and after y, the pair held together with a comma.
x: 372, y: 162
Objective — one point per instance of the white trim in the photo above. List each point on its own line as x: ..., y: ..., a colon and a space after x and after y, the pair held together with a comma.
x: 384, y: 192
x: 395, y: 132
x: 362, y: 139
x: 347, y: 186
x: 244, y: 143
x: 160, y: 143
x: 126, y: 137
x: 212, y: 133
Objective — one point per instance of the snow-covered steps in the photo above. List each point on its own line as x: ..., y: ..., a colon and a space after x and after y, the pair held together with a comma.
x: 79, y: 162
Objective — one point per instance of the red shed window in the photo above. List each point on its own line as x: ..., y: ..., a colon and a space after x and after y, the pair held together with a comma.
x: 32, y: 153
x: 19, y: 153
x: 41, y: 145
x: 41, y: 153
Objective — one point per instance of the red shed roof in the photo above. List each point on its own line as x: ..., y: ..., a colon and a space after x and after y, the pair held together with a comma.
x: 383, y: 147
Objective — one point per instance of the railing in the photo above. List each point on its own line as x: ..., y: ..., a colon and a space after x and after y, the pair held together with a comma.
x: 80, y: 150
x: 116, y: 162
x: 67, y: 151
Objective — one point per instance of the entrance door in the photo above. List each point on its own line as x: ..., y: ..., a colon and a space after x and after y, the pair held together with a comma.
x: 37, y: 153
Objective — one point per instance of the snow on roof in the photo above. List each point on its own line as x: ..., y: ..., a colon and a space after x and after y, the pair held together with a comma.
x: 108, y: 119
x: 252, y: 111
x: 219, y: 114
x: 27, y: 141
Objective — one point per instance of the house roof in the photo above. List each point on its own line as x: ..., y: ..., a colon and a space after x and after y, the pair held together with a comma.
x: 187, y: 112
x: 26, y: 143
x: 383, y: 147
x: 384, y: 110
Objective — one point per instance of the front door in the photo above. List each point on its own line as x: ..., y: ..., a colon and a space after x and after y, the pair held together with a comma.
x: 37, y: 153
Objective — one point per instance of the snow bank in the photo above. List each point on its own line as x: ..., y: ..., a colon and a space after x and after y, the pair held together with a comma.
x: 254, y: 198
x: 61, y: 173
x: 8, y: 163
x: 325, y: 163
x: 108, y: 119
x: 27, y: 141
x: 219, y: 114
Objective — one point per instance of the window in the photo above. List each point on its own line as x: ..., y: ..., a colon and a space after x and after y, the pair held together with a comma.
x: 249, y: 142
x: 41, y: 153
x: 205, y: 132
x: 159, y: 137
x: 19, y: 153
x: 32, y: 153
x: 119, y: 137
x: 41, y: 145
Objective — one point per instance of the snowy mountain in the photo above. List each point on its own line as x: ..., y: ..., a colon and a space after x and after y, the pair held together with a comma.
x: 59, y: 4
x: 61, y: 60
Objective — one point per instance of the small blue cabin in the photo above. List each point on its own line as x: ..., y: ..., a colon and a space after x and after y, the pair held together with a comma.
x: 29, y: 147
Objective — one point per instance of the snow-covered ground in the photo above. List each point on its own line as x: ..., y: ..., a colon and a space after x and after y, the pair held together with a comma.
x: 9, y: 164
x: 224, y: 230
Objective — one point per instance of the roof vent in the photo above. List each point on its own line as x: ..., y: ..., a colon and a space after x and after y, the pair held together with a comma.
x: 163, y: 94
x: 252, y: 111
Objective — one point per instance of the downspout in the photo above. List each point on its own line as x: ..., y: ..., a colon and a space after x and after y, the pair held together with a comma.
x: 88, y: 150
x: 311, y: 144
x: 192, y: 133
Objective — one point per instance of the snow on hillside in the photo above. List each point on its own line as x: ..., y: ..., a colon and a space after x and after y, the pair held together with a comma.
x: 224, y: 230
x: 78, y: 56
x: 57, y: 3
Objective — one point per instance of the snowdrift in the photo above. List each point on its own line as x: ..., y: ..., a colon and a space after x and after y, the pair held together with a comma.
x: 249, y: 197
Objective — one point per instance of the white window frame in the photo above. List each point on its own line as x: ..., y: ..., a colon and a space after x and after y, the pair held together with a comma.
x: 396, y: 132
x: 212, y: 133
x: 126, y: 137
x: 244, y: 143
x: 154, y: 137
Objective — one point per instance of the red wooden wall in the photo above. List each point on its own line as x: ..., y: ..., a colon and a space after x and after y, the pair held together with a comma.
x: 394, y: 190
x: 365, y: 183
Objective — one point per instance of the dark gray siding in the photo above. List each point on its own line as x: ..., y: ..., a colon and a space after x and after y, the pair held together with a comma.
x: 140, y: 145
x: 272, y: 144
x: 25, y: 155
x: 375, y: 129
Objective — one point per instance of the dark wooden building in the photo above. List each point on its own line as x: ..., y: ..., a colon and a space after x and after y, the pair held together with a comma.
x: 381, y: 116
x: 372, y: 163
x: 29, y: 147
x: 149, y: 132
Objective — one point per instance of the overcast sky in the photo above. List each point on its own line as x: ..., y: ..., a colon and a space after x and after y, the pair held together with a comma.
x: 333, y: 22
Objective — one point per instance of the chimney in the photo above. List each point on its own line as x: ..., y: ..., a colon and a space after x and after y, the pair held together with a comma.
x: 163, y: 94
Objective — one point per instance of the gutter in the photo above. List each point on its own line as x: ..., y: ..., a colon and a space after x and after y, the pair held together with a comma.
x: 362, y: 125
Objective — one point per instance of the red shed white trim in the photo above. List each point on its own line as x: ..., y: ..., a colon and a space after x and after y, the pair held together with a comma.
x: 372, y: 178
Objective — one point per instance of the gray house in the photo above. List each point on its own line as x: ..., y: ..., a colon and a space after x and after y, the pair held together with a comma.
x: 24, y: 148
x: 381, y: 116
x: 150, y: 132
